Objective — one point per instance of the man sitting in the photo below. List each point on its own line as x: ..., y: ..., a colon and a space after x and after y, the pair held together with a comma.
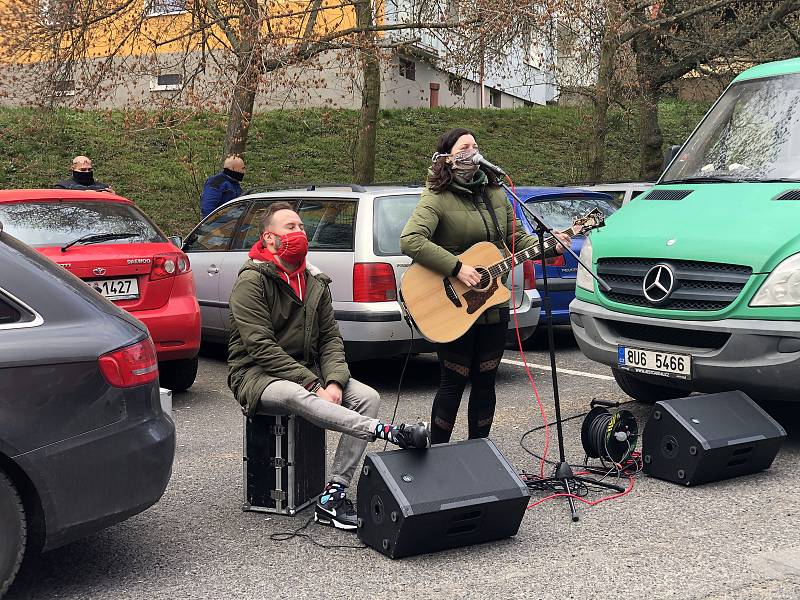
x: 286, y: 355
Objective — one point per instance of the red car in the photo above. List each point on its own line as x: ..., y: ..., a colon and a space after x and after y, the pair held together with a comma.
x: 114, y: 247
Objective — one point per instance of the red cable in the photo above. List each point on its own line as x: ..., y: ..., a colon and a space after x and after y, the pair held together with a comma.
x: 519, y: 339
x: 625, y: 492
x: 584, y: 500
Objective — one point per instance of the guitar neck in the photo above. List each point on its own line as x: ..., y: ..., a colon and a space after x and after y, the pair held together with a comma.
x: 505, y: 265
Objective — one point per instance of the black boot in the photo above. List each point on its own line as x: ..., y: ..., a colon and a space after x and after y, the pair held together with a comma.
x: 417, y: 435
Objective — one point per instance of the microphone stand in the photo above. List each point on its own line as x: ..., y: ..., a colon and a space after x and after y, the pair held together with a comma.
x: 563, y: 473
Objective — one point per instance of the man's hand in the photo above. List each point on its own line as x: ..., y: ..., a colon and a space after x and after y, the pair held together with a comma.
x: 334, y: 390
x: 565, y: 239
x: 323, y: 393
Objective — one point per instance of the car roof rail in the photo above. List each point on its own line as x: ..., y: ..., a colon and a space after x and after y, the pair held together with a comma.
x: 354, y: 187
x: 309, y: 187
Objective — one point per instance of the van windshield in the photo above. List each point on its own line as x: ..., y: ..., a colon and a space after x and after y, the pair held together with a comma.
x: 751, y: 134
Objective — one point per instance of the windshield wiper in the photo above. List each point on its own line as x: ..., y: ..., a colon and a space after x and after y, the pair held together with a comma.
x: 773, y: 180
x: 701, y: 179
x: 96, y: 238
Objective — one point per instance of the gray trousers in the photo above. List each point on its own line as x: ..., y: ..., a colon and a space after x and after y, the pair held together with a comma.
x: 355, y: 418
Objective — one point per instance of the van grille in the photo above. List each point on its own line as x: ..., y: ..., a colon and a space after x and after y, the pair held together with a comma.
x: 701, y: 286
x: 790, y: 195
x: 671, y: 336
x: 662, y: 194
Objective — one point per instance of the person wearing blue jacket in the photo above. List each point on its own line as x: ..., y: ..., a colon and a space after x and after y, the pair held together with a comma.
x: 223, y: 186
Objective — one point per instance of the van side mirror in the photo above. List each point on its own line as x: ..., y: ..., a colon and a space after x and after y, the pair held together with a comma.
x: 669, y: 155
x: 177, y: 240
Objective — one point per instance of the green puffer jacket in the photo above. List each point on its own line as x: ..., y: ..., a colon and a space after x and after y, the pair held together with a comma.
x: 447, y: 223
x: 276, y: 336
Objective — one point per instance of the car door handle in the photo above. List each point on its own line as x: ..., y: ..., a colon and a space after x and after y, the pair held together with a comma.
x: 213, y: 270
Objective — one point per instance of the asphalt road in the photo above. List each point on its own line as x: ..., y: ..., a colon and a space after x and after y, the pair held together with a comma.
x: 734, y: 539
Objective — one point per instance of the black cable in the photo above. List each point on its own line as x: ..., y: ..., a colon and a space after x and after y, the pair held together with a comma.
x: 285, y: 536
x: 402, y: 375
x: 563, y: 420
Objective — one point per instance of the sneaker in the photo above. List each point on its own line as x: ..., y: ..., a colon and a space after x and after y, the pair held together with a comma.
x: 417, y: 435
x: 334, y: 508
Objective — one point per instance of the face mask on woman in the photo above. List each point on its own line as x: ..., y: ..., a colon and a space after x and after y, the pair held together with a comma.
x: 463, y: 167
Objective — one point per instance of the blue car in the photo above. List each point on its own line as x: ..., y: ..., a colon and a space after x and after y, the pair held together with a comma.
x: 558, y: 208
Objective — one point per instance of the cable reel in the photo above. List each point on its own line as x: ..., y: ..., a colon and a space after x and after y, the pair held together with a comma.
x: 609, y: 436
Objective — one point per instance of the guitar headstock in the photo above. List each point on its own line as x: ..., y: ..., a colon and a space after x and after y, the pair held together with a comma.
x: 591, y: 220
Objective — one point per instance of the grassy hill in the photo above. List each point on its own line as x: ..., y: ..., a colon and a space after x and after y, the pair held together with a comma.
x: 161, y: 161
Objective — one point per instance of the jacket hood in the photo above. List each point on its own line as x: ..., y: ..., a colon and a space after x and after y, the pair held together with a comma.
x: 271, y: 270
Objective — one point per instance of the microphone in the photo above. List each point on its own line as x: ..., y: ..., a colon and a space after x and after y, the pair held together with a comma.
x: 479, y: 160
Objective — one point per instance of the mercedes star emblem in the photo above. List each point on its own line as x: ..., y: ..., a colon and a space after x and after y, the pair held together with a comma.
x: 658, y: 284
x: 99, y: 271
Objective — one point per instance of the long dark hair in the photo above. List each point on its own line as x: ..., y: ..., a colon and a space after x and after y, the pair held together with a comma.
x: 442, y: 175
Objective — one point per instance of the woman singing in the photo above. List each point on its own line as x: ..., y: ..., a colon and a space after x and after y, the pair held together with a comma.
x: 451, y: 216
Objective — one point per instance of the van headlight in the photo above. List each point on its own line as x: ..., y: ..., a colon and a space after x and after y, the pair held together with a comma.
x: 584, y: 279
x: 782, y: 287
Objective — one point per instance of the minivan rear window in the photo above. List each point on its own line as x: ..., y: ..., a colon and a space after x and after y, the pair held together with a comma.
x: 55, y: 223
x: 561, y: 214
x: 391, y: 213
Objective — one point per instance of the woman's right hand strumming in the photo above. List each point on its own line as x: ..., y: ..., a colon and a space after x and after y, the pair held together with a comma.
x: 468, y: 276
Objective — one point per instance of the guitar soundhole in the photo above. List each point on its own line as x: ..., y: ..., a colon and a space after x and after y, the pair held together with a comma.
x: 486, y: 279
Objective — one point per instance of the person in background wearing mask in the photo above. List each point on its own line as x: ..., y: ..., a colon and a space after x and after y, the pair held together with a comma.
x: 286, y: 355
x: 222, y: 187
x: 452, y: 215
x: 82, y: 177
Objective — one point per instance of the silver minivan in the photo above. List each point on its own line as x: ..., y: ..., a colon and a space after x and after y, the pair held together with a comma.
x: 354, y: 237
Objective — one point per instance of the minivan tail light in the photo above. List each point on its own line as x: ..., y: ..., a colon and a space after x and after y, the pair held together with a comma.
x: 374, y: 282
x: 169, y: 264
x: 529, y: 275
x: 130, y: 366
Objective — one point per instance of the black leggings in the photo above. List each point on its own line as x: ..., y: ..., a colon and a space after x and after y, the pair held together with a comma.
x: 473, y: 357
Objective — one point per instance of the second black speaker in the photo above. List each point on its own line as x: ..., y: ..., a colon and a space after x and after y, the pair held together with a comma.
x: 709, y: 437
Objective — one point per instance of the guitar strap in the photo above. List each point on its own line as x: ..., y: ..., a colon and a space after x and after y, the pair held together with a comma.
x: 488, y: 204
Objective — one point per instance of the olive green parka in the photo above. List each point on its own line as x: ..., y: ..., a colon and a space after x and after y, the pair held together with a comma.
x: 275, y: 335
x: 445, y: 224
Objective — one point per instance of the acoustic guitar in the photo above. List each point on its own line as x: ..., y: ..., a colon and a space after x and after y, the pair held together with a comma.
x: 443, y: 308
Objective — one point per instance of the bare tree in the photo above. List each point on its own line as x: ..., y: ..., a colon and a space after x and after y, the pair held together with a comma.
x: 228, y: 51
x: 607, y: 31
x: 723, y: 41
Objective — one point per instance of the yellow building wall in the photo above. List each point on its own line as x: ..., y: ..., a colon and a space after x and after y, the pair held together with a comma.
x: 25, y: 38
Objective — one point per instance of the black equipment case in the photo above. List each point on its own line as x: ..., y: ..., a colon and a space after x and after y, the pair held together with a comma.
x: 284, y: 463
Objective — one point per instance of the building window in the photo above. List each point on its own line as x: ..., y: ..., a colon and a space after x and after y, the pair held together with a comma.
x: 495, y: 98
x: 165, y: 7
x: 63, y: 87
x: 167, y: 82
x: 408, y: 68
x: 456, y: 85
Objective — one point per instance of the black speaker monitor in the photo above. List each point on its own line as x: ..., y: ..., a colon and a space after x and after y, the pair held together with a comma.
x: 417, y: 501
x: 709, y: 437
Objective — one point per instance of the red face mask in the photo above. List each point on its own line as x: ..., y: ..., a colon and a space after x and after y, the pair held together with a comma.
x: 291, y: 247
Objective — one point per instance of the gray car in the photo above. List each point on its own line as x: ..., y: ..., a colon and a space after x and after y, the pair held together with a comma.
x: 354, y: 237
x: 84, y: 442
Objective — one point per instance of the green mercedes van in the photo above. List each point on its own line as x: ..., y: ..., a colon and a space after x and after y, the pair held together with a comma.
x: 703, y: 270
